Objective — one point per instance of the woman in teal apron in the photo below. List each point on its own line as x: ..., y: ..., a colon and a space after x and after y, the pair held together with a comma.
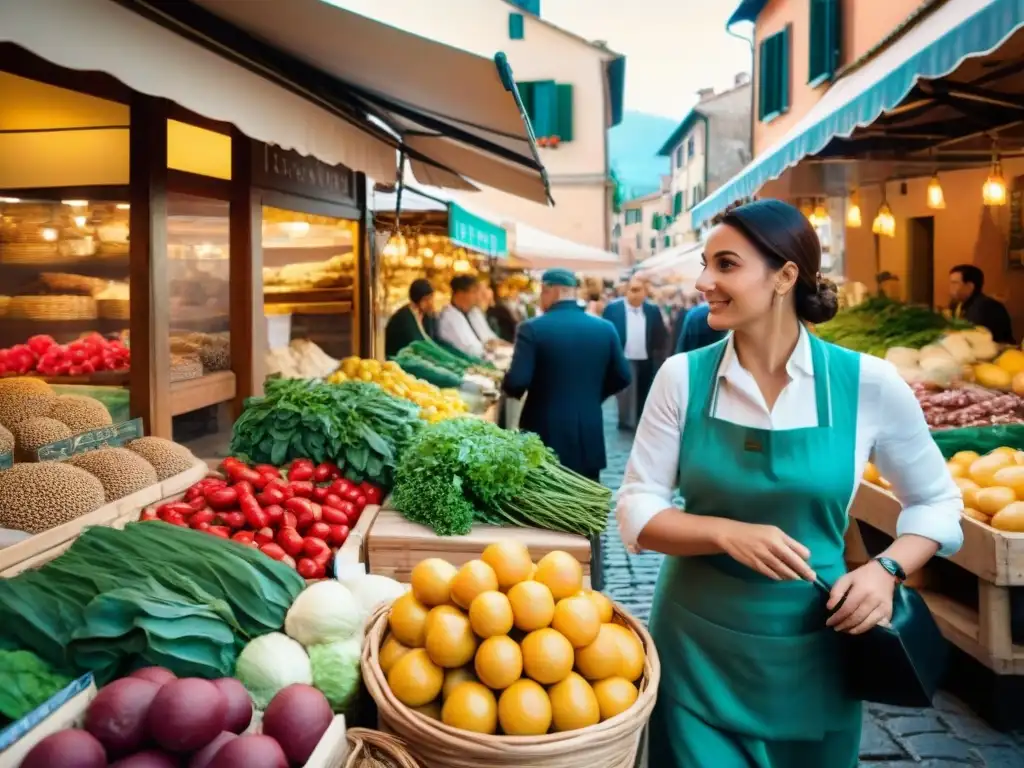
x: 766, y: 435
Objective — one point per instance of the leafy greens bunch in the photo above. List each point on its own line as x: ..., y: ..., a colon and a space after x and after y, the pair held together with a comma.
x: 879, y: 323
x: 467, y: 470
x: 357, y: 425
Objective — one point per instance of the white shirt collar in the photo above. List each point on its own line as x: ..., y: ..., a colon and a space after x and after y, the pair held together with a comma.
x: 798, y: 365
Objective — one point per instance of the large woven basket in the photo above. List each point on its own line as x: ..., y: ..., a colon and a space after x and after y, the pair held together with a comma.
x: 370, y: 747
x: 114, y: 309
x: 52, y: 308
x: 611, y: 744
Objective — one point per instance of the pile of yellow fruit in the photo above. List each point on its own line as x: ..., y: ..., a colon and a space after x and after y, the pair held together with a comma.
x: 435, y: 403
x: 993, y: 486
x: 503, y: 645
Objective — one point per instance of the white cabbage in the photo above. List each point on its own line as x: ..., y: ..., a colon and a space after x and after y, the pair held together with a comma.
x: 271, y: 663
x: 324, y: 612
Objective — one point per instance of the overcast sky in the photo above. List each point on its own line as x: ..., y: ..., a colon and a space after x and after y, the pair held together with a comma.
x: 672, y: 47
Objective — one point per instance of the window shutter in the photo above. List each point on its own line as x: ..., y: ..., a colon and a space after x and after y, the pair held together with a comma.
x: 545, y: 108
x: 825, y: 40
x: 677, y: 203
x: 762, y: 79
x: 783, y: 67
x: 526, y: 94
x: 564, y: 127
x: 515, y: 26
x: 656, y: 221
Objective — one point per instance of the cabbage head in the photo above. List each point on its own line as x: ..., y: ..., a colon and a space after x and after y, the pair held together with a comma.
x: 270, y: 663
x: 336, y: 671
x: 324, y: 612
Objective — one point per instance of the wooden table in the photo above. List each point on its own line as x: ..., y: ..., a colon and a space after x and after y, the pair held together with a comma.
x: 395, y: 545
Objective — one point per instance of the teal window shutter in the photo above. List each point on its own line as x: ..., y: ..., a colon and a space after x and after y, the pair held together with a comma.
x: 825, y: 40
x: 515, y: 26
x: 668, y: 240
x: 654, y: 243
x: 526, y: 94
x: 564, y: 129
x: 784, y: 76
x: 545, y: 109
x: 773, y: 76
x: 677, y: 203
x: 656, y: 221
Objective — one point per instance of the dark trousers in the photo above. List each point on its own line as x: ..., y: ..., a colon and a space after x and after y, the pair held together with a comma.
x: 596, y: 564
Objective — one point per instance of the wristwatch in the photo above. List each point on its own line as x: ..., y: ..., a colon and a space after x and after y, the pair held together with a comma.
x: 893, y: 568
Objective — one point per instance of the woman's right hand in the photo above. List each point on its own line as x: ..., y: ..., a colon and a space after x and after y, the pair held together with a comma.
x: 767, y: 550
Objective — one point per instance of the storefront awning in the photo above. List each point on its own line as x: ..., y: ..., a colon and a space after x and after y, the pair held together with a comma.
x: 676, y: 257
x: 932, y: 48
x: 304, y: 75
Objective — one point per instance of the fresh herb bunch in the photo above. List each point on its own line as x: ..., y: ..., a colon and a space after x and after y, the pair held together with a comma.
x: 357, y: 425
x: 467, y: 470
x: 879, y: 323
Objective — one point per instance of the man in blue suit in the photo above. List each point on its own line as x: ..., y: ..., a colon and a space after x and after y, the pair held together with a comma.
x: 644, y: 340
x: 567, y: 362
x: 696, y: 333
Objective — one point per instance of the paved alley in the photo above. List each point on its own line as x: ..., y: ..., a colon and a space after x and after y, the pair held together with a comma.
x: 948, y: 735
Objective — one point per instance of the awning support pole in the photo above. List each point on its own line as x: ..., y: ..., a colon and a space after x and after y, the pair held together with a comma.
x: 399, y: 186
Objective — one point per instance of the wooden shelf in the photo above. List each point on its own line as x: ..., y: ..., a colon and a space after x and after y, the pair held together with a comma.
x: 193, y: 394
x: 987, y: 641
x: 308, y: 296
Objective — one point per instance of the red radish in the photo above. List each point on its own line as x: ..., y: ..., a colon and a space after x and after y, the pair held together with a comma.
x: 244, y: 487
x: 149, y: 514
x: 158, y: 675
x: 239, y: 710
x: 117, y: 716
x: 282, y: 486
x: 204, y: 756
x: 72, y: 748
x: 206, y: 516
x: 198, y: 503
x: 290, y: 540
x: 221, y: 498
x: 360, y: 502
x: 333, y: 516
x: 319, y: 531
x: 321, y: 473
x: 275, y: 513
x: 232, y: 519
x: 301, y: 470
x: 255, y: 517
x: 338, y: 535
x: 273, y: 551
x: 298, y: 717
x: 220, y: 531
x: 334, y: 500
x: 289, y: 520
x: 299, y: 506
x: 289, y: 561
x: 271, y: 495
x: 250, y: 751
x: 320, y: 494
x: 315, y: 548
x: 262, y: 536
x: 307, y: 568
x: 186, y: 714
x: 243, y: 537
x: 303, y: 488
x: 267, y: 469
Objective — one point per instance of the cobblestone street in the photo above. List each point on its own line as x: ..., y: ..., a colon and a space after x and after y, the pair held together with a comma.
x: 949, y: 735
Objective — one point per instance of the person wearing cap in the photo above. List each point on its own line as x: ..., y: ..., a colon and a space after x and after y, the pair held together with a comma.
x: 567, y: 363
x: 413, y: 322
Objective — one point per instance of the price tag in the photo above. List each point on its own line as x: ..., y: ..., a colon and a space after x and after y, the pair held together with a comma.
x: 114, y: 436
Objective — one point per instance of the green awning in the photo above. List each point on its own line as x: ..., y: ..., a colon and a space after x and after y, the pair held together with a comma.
x: 929, y: 50
x: 475, y: 232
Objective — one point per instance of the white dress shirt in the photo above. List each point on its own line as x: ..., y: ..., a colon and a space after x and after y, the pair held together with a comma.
x: 636, y: 333
x: 453, y: 328
x: 890, y: 425
x: 478, y: 320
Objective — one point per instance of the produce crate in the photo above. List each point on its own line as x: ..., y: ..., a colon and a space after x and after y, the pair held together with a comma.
x: 395, y: 544
x: 45, y: 546
x: 67, y: 710
x: 976, y: 596
x: 353, y: 551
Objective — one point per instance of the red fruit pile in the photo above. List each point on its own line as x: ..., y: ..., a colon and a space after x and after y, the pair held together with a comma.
x: 44, y: 356
x: 299, y: 517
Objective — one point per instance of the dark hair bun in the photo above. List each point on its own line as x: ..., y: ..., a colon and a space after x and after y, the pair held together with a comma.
x: 818, y: 306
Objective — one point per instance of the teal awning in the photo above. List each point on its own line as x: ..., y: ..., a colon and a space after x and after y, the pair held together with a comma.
x: 931, y: 49
x: 475, y: 232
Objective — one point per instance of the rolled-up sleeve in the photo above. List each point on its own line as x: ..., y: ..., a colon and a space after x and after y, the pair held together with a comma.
x: 908, y: 458
x: 653, y: 467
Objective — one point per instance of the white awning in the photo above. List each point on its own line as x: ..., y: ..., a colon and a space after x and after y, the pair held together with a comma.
x: 682, y: 261
x: 304, y: 77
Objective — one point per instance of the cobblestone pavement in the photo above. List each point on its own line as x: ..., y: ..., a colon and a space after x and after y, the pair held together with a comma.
x: 948, y: 735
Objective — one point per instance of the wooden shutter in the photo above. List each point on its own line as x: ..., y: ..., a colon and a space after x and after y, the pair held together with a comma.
x: 564, y: 127
x: 526, y: 94
x: 515, y: 26
x: 545, y: 108
x: 825, y: 40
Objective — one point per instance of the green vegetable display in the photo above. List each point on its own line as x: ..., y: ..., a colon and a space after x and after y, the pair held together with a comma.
x: 356, y: 425
x: 439, y: 356
x: 152, y: 594
x: 336, y: 671
x: 26, y: 682
x: 429, y: 371
x: 879, y: 323
x: 461, y: 471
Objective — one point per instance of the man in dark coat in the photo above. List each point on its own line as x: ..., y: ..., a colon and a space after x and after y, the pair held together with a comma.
x: 413, y: 322
x: 696, y: 333
x: 644, y: 340
x: 970, y: 303
x: 567, y: 363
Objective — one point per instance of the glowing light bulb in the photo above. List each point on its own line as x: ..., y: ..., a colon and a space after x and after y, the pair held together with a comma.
x: 75, y: 203
x: 936, y: 198
x: 853, y: 217
x: 49, y: 234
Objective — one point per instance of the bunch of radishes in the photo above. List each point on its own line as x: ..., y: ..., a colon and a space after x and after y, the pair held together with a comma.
x: 300, y: 517
x: 87, y: 355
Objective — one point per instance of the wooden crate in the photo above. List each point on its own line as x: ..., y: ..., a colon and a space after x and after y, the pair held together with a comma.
x: 330, y: 752
x: 47, y: 545
x: 994, y: 557
x: 395, y: 545
x: 353, y: 551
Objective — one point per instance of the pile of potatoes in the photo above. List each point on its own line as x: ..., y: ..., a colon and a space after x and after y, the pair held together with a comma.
x: 993, y: 486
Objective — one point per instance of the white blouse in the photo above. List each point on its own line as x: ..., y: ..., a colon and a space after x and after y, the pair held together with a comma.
x: 453, y: 328
x: 890, y: 425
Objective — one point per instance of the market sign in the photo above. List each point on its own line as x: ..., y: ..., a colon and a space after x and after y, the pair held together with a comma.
x: 475, y: 233
x: 292, y: 173
x: 114, y: 436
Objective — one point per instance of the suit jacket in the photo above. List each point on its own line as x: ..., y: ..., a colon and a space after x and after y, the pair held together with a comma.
x: 696, y: 331
x: 569, y: 362
x: 657, y: 333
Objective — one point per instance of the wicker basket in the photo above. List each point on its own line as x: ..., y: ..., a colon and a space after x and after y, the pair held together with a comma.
x: 611, y: 744
x: 373, y: 748
x: 30, y: 253
x: 114, y: 309
x: 52, y: 308
x: 64, y: 282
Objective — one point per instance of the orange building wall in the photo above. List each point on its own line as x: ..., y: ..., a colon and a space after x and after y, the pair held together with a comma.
x: 865, y: 23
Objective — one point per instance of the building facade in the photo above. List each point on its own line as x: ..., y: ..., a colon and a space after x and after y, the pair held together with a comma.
x: 643, y: 226
x: 571, y: 89
x: 709, y: 146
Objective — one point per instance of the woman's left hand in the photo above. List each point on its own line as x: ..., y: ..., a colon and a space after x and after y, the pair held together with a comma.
x: 869, y: 591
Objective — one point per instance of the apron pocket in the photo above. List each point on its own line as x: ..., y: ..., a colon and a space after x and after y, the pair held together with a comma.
x: 764, y: 687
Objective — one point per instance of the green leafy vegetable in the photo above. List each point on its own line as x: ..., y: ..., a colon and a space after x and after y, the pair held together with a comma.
x: 336, y: 671
x: 26, y: 682
x: 879, y: 323
x: 356, y: 425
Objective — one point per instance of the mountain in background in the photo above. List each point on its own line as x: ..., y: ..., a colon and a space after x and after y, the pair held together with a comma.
x: 632, y: 148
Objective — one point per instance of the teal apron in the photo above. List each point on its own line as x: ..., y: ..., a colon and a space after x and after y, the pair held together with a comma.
x: 750, y: 675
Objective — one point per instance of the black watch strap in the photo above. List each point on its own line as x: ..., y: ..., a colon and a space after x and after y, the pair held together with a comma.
x: 892, y: 567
